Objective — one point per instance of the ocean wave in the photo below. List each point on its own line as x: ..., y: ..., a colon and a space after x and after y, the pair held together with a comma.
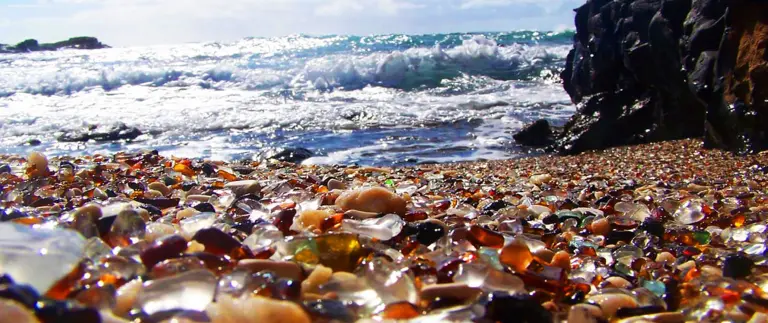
x: 246, y: 65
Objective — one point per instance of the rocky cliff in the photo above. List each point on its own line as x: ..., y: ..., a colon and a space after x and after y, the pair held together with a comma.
x: 32, y: 45
x: 651, y: 70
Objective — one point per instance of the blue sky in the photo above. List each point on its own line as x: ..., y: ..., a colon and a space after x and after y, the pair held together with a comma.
x: 147, y: 22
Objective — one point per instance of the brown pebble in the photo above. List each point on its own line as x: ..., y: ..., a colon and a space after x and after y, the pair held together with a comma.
x: 601, y: 227
x: 240, y: 188
x: 372, y: 199
x: 198, y: 198
x: 334, y: 184
x: 544, y: 254
x: 361, y: 215
x: 160, y: 187
x: 256, y: 309
x: 452, y: 290
x: 14, y: 312
x: 618, y: 282
x: 284, y: 269
x: 666, y: 317
x: 319, y: 276
x: 584, y: 313
x: 312, y: 218
x: 610, y: 303
x: 37, y: 164
x: 759, y: 318
x: 665, y: 257
x: 562, y: 259
x: 540, y: 179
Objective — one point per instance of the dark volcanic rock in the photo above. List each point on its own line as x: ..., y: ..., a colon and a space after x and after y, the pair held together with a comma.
x: 737, y: 116
x: 32, y: 45
x: 650, y: 70
x: 291, y: 155
x: 118, y: 131
x: 537, y: 134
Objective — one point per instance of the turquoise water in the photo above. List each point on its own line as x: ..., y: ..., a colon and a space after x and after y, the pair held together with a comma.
x: 376, y: 100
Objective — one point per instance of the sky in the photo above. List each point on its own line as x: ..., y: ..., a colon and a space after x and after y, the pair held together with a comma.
x: 150, y: 22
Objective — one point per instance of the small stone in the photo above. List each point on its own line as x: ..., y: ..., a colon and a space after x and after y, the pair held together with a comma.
x: 198, y: 198
x: 186, y: 213
x: 361, y: 215
x: 319, y: 276
x: 156, y: 230
x: 334, y: 184
x: 255, y: 309
x: 126, y: 297
x: 373, y: 199
x: 14, y: 312
x: 540, y: 179
x: 160, y: 187
x: 665, y: 257
x: 85, y: 220
x: 283, y: 269
x: 610, y: 303
x: 601, y: 227
x: 758, y: 318
x: 39, y: 256
x: 585, y: 313
x: 37, y: 165
x: 618, y: 282
x: 735, y: 266
x: 240, y: 188
x: 128, y: 228
x: 98, y: 194
x: 666, y: 317
x: 193, y: 290
x: 312, y: 218
x: 561, y: 259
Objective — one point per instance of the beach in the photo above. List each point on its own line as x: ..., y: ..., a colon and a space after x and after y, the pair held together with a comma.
x: 662, y: 232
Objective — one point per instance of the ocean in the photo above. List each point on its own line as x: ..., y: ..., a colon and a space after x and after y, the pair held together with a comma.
x: 383, y: 100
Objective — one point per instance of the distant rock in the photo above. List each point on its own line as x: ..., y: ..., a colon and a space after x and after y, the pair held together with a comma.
x: 32, y: 45
x: 291, y: 155
x: 113, y: 132
x: 650, y: 70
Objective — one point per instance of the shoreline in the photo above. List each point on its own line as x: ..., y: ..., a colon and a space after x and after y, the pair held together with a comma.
x: 642, y: 231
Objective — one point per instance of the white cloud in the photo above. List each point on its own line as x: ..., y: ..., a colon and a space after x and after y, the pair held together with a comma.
x: 376, y: 7
x: 339, y: 8
x: 469, y: 4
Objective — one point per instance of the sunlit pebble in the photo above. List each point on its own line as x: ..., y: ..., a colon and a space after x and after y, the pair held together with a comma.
x: 126, y: 297
x: 14, y: 312
x: 255, y: 309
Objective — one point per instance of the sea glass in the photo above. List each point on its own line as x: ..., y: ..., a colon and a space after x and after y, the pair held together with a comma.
x: 39, y: 256
x: 192, y: 290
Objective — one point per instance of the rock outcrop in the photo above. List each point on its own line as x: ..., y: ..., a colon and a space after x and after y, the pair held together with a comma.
x: 32, y: 45
x: 652, y: 70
